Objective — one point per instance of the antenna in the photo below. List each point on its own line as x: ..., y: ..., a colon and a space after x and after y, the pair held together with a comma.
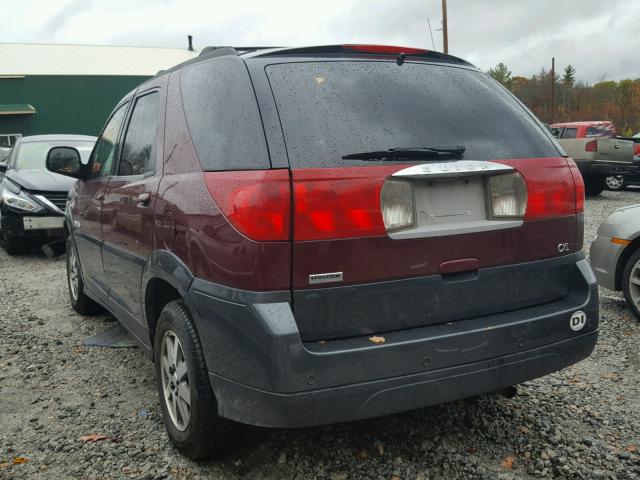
x: 553, y: 94
x: 431, y: 33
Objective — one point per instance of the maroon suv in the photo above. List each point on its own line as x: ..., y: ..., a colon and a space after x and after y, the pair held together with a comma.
x: 305, y: 236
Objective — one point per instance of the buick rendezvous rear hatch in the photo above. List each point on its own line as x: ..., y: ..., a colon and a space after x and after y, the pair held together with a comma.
x: 423, y: 193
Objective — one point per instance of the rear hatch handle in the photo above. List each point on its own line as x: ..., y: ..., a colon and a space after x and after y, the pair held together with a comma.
x: 460, y: 269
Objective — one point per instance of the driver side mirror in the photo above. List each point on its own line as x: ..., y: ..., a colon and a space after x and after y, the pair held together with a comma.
x: 65, y: 161
x: 3, y: 166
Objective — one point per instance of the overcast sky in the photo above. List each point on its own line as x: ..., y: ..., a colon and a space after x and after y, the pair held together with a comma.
x: 600, y: 38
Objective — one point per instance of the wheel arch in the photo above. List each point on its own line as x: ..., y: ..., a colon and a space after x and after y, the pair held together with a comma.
x: 623, y: 259
x: 165, y: 278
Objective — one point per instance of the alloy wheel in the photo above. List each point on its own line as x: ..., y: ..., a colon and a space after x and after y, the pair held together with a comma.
x: 175, y: 381
x: 74, y: 274
x: 615, y: 182
x: 634, y: 284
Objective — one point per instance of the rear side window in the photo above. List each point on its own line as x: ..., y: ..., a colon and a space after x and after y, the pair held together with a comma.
x: 223, y: 117
x: 136, y: 157
x: 332, y: 109
x: 570, y: 133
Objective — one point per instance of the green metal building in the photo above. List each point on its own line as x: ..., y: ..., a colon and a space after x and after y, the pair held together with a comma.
x: 71, y: 88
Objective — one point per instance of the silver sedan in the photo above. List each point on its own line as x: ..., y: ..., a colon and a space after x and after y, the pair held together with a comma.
x: 615, y: 255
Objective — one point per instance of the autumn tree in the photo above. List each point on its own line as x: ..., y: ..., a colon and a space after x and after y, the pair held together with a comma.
x: 502, y: 74
x: 569, y: 77
x: 566, y: 92
x: 616, y: 101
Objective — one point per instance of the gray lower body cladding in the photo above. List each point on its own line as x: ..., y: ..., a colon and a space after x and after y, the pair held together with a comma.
x: 264, y: 374
x: 346, y: 311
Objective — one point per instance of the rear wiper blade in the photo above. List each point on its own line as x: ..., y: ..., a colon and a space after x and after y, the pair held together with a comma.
x: 422, y: 153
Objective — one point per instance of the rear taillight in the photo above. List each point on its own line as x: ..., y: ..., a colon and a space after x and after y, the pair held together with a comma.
x: 579, y: 184
x: 636, y: 149
x: 591, y: 146
x: 257, y: 203
x: 352, y: 202
x: 396, y: 202
x: 333, y: 203
x: 508, y: 195
x: 551, y: 189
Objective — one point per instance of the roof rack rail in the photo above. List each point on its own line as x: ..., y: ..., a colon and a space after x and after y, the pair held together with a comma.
x: 253, y: 49
x: 220, y: 51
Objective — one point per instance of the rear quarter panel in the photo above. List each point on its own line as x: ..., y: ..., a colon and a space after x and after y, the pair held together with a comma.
x: 191, y: 226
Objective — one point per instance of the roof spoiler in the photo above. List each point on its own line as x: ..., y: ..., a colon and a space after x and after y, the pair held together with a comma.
x: 400, y: 52
x: 218, y: 51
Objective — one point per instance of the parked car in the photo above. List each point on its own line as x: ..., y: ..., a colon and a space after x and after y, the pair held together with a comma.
x: 4, y: 154
x: 597, y: 151
x: 615, y: 255
x: 620, y: 182
x: 32, y: 199
x: 4, y: 157
x: 304, y: 236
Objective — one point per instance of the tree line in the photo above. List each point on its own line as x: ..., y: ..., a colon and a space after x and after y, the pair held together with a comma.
x: 575, y: 100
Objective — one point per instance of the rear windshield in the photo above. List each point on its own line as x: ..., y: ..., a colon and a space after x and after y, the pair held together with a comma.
x: 331, y: 109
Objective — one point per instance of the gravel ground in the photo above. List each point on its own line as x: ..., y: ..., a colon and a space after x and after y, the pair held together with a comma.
x: 578, y: 423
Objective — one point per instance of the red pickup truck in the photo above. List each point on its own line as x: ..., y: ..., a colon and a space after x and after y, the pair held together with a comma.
x: 599, y: 153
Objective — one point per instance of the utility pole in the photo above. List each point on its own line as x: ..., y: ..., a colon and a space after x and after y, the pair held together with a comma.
x: 553, y: 89
x: 445, y: 31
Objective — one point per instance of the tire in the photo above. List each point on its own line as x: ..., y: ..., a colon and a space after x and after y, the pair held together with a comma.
x: 13, y: 245
x: 80, y: 302
x: 189, y: 407
x: 16, y: 245
x: 631, y: 283
x: 615, y: 183
x: 593, y: 186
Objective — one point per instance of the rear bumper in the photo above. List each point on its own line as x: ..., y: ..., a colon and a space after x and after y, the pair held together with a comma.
x: 263, y: 373
x: 604, y: 256
x: 393, y: 395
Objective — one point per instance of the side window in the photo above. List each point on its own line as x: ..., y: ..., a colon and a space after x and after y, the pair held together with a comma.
x: 223, y: 117
x: 570, y: 133
x: 136, y: 157
x: 105, y: 150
